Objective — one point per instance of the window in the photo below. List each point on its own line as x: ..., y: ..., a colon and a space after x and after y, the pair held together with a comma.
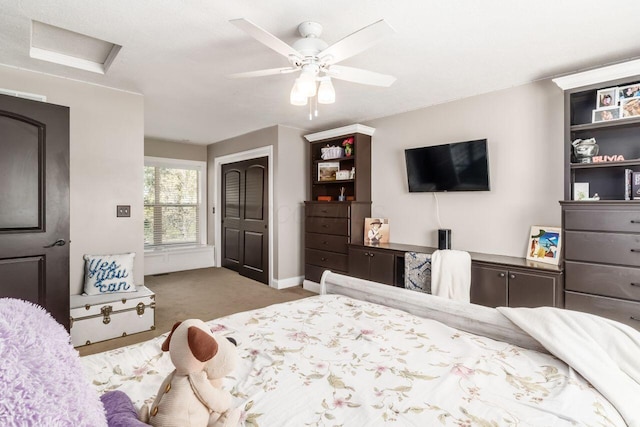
x: 174, y: 207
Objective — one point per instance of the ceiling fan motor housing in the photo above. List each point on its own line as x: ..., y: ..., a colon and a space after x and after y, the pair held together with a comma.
x: 311, y: 44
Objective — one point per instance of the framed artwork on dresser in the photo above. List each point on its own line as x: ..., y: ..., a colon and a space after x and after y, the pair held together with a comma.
x: 544, y: 244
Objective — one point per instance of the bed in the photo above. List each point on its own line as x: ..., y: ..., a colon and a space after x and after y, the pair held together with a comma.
x: 342, y: 358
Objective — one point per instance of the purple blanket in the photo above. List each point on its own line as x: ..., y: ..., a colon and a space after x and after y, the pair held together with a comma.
x: 41, y: 379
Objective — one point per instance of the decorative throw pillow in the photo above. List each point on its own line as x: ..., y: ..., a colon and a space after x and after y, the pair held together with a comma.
x: 108, y: 274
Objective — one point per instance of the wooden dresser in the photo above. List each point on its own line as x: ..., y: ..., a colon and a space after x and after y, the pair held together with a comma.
x: 329, y: 228
x: 602, y: 259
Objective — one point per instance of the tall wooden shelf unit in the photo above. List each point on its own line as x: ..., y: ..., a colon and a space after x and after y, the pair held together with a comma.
x: 331, y: 225
x: 601, y: 237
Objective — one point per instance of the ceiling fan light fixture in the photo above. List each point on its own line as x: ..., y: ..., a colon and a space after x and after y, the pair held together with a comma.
x: 297, y: 96
x: 326, y: 92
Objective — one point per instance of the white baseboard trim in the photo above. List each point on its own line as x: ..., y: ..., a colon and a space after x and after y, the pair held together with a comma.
x: 288, y: 283
x: 178, y: 259
x: 308, y: 285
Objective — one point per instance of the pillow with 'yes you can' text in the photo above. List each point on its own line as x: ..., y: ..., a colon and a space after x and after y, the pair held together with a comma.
x: 108, y: 274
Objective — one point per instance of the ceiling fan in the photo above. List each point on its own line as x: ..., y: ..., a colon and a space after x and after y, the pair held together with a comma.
x: 316, y: 60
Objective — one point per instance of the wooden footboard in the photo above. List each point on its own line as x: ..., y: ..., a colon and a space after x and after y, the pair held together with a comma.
x: 476, y: 319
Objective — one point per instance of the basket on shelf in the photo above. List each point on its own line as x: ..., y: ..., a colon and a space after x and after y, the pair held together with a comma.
x: 331, y: 153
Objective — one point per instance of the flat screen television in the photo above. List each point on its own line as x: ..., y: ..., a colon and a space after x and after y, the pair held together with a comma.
x: 461, y: 166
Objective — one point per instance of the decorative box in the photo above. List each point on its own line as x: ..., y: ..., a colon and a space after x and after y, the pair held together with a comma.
x: 97, y: 318
x: 344, y: 174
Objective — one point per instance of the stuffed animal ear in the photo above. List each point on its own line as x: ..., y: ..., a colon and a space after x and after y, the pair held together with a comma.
x: 165, y: 344
x: 202, y: 345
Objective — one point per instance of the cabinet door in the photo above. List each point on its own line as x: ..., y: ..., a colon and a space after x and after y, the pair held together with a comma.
x: 488, y: 286
x: 531, y: 290
x: 359, y: 263
x: 381, y: 267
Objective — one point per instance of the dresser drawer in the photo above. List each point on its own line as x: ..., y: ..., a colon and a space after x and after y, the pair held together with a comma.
x: 314, y: 273
x: 606, y: 248
x: 607, y: 280
x: 326, y: 242
x: 339, y: 226
x: 599, y: 220
x: 327, y: 210
x: 330, y: 260
x: 622, y: 311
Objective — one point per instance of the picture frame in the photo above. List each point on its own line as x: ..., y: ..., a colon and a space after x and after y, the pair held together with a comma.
x: 580, y: 190
x: 327, y: 171
x: 544, y: 244
x: 630, y: 91
x: 606, y: 98
x: 630, y: 107
x: 606, y: 114
x: 376, y: 230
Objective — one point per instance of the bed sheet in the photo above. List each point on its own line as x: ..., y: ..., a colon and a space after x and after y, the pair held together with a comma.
x: 333, y: 360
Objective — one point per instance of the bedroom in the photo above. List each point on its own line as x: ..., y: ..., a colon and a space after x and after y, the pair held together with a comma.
x: 523, y: 121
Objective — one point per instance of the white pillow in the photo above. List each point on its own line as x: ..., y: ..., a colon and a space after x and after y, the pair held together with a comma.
x: 108, y: 274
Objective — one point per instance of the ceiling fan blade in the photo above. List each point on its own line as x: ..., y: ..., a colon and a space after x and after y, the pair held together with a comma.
x: 357, y: 75
x: 266, y: 38
x: 356, y: 42
x: 260, y: 73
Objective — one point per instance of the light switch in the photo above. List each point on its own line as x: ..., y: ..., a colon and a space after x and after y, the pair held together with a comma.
x: 123, y: 211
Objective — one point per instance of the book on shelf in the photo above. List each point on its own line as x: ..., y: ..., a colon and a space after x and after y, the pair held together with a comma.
x: 628, y: 176
x: 635, y: 186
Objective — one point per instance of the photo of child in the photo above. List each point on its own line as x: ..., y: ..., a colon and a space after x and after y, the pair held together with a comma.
x: 630, y: 91
x: 607, y: 98
x: 606, y: 114
x: 376, y: 230
x: 630, y: 107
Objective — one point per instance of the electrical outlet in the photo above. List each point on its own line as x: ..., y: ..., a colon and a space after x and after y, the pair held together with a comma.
x: 123, y: 211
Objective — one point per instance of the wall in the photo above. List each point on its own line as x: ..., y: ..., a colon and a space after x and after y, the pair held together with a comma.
x: 174, y: 150
x: 524, y: 128
x: 106, y: 159
x: 290, y: 186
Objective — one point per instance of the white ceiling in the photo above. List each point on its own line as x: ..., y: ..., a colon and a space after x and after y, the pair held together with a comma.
x: 178, y: 52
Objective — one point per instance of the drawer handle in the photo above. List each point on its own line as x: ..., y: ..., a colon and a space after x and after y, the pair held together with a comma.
x: 371, y: 254
x: 501, y: 275
x: 512, y: 276
x: 325, y: 226
x: 635, y: 250
x: 323, y: 259
x: 635, y: 221
x: 635, y: 284
x: 366, y: 254
x: 325, y: 243
x: 325, y: 211
x: 634, y: 318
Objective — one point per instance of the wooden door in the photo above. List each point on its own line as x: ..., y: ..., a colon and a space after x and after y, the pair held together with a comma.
x: 245, y: 222
x: 531, y: 290
x: 34, y: 204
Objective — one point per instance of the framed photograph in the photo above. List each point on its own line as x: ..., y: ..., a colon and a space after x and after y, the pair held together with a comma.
x: 544, y: 244
x: 327, y: 171
x: 580, y: 190
x: 607, y: 98
x: 376, y: 230
x: 606, y: 114
x: 630, y: 91
x: 630, y: 107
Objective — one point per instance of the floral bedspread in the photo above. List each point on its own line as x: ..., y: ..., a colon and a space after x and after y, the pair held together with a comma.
x: 335, y: 361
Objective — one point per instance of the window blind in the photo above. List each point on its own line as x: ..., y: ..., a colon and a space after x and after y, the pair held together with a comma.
x: 171, y: 206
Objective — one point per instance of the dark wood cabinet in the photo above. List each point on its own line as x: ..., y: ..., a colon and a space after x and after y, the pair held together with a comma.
x: 602, y: 237
x: 494, y: 286
x: 371, y: 264
x: 330, y: 225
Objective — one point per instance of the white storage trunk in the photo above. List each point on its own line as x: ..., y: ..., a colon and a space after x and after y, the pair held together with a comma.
x: 101, y: 317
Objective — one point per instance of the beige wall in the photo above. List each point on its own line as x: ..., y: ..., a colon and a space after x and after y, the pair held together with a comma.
x: 174, y: 150
x: 290, y: 186
x: 106, y: 159
x: 524, y: 128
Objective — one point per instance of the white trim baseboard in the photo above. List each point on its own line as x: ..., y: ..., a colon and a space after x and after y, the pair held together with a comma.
x: 288, y: 283
x: 308, y: 285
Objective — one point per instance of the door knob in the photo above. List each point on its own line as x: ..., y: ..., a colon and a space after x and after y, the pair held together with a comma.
x: 501, y: 275
x: 59, y: 242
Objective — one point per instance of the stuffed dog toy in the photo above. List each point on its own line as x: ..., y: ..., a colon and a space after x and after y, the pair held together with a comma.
x: 187, y: 397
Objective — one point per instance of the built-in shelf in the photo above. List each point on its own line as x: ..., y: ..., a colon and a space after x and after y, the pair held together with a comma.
x: 337, y: 181
x: 606, y: 125
x: 339, y: 159
x: 627, y: 163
